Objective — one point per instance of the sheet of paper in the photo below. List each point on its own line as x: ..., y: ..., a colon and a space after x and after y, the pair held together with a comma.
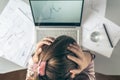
x: 17, y: 33
x: 14, y: 4
x: 99, y: 6
x: 95, y: 23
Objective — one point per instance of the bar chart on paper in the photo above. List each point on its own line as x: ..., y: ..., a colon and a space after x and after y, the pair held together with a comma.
x: 17, y: 33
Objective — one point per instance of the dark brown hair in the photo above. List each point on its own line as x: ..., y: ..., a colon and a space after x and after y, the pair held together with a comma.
x: 58, y: 65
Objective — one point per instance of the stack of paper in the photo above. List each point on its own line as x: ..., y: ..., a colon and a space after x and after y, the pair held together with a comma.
x: 94, y: 23
x: 17, y: 32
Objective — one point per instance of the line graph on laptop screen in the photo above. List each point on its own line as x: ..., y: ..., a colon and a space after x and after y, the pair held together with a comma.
x: 56, y: 12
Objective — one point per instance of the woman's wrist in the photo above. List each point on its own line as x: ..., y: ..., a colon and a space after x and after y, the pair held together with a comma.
x: 88, y: 57
x: 35, y: 58
x: 91, y: 54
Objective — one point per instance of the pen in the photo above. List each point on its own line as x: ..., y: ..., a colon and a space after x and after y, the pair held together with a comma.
x: 108, y: 35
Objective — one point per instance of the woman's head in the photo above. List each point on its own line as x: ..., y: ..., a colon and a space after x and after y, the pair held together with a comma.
x: 57, y: 63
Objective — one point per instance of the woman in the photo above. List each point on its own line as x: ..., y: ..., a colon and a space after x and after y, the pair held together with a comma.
x: 60, y: 59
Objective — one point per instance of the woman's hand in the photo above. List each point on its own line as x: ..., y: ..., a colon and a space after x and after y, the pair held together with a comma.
x: 82, y: 59
x: 32, y: 71
x: 47, y: 41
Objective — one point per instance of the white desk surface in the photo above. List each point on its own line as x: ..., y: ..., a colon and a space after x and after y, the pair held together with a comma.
x: 6, y: 66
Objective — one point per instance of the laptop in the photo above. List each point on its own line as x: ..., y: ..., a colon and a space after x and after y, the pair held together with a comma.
x: 57, y: 17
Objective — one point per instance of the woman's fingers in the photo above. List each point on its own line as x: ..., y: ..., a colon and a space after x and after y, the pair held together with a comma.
x: 38, y: 51
x: 49, y: 39
x: 39, y: 45
x: 46, y: 41
x: 78, y: 62
x: 74, y: 72
x: 38, y: 48
x: 74, y: 59
x: 72, y: 48
x: 75, y: 49
x: 81, y: 59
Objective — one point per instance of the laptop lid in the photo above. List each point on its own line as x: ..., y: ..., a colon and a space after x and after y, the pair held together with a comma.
x: 57, y: 13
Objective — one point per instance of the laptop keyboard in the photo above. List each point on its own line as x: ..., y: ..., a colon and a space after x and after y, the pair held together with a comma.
x: 55, y: 33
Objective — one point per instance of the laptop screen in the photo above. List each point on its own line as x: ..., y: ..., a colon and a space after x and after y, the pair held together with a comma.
x: 57, y: 12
